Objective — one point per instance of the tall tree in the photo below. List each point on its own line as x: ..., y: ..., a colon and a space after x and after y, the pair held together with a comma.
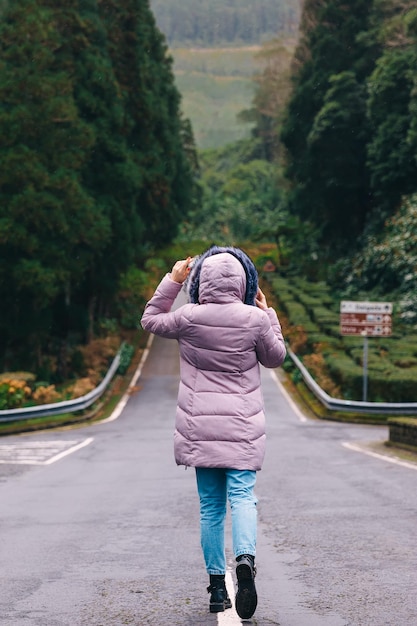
x: 338, y: 184
x: 95, y: 160
x: 110, y: 175
x: 330, y: 61
x: 50, y: 226
x: 153, y: 127
x: 392, y: 150
x: 273, y: 87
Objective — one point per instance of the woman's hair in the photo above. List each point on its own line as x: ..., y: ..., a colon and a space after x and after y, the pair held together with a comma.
x: 248, y: 266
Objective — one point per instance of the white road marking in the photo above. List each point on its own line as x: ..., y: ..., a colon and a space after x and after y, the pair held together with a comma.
x: 39, y: 452
x: 74, y: 448
x: 288, y: 398
x: 229, y: 617
x: 123, y: 401
x: 389, y: 459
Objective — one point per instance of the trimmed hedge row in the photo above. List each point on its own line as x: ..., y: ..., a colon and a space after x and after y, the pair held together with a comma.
x: 392, y: 361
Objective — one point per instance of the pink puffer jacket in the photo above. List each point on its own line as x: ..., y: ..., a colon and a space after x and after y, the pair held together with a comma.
x: 220, y: 419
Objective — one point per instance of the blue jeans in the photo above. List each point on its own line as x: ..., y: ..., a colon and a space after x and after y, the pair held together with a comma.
x: 215, y: 487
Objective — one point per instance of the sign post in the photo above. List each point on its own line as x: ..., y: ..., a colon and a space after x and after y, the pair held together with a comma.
x: 365, y: 368
x: 368, y: 319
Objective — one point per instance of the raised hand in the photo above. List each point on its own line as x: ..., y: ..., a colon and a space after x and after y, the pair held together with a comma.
x: 260, y: 300
x: 180, y: 270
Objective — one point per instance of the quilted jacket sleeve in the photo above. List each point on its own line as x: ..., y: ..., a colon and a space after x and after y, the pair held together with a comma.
x: 270, y: 347
x: 157, y: 317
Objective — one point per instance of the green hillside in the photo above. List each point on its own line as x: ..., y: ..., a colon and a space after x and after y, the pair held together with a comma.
x: 216, y: 86
x: 214, y: 44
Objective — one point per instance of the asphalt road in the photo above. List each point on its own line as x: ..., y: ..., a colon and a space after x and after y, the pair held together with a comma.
x: 99, y: 527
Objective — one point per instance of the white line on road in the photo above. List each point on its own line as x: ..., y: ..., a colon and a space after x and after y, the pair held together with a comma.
x: 389, y: 459
x: 229, y: 617
x: 288, y: 398
x: 74, y: 448
x: 123, y: 401
x: 39, y: 452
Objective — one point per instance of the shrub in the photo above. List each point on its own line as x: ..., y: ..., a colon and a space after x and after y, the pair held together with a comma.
x: 309, y: 301
x: 126, y: 353
x: 13, y: 393
x: 325, y: 317
x: 333, y: 330
x: 262, y: 260
x: 46, y: 395
x: 80, y: 388
x: 323, y: 343
x: 97, y: 356
x: 297, y: 313
x: 346, y: 374
x: 107, y: 326
x: 297, y: 338
x: 405, y: 362
x: 316, y: 365
x: 396, y: 386
x: 25, y: 376
x: 288, y: 365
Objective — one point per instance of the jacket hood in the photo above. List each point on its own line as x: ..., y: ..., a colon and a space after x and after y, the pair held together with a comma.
x: 221, y: 279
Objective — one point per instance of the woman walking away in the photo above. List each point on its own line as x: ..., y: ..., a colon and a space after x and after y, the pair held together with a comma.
x: 224, y: 332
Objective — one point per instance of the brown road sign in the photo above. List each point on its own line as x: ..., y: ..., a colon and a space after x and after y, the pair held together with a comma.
x: 372, y: 319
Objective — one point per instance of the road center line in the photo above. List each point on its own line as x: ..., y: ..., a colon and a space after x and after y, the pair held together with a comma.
x: 229, y: 617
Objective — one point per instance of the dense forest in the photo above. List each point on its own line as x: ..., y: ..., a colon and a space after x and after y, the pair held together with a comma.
x: 331, y: 168
x: 350, y: 134
x: 99, y: 168
x: 215, y: 22
x: 96, y: 169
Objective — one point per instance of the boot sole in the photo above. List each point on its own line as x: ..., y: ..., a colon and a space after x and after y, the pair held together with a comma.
x: 246, y: 597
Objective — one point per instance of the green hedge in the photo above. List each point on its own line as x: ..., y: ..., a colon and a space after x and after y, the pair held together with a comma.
x: 395, y: 386
x: 392, y: 361
x: 297, y: 313
x: 327, y: 343
x: 346, y: 374
x: 325, y: 317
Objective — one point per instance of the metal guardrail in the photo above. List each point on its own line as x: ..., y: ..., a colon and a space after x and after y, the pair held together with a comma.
x: 333, y: 404
x: 336, y: 404
x: 67, y: 406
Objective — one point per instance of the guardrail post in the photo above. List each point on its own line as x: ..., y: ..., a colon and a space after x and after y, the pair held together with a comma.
x: 365, y: 367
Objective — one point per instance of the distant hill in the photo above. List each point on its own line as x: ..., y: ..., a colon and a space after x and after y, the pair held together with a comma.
x: 214, y: 45
x: 216, y: 86
x: 209, y: 23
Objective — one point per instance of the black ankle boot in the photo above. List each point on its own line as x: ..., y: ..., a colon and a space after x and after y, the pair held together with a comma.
x: 219, y: 599
x: 246, y: 597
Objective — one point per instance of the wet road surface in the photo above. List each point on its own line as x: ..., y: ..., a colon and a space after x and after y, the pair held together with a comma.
x: 103, y: 529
